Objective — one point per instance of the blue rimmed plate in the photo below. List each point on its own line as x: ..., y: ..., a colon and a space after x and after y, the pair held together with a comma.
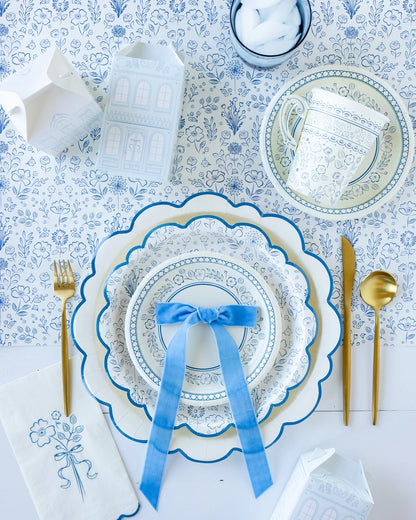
x: 202, y: 279
x: 244, y: 243
x: 386, y: 165
x: 133, y: 421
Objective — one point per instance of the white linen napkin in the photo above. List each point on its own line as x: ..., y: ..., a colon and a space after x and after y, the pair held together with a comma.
x: 71, y: 465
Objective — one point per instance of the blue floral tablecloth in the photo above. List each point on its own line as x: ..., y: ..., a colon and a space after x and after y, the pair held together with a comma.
x: 63, y: 207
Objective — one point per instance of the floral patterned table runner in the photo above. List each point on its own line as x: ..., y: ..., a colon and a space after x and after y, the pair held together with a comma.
x: 64, y: 206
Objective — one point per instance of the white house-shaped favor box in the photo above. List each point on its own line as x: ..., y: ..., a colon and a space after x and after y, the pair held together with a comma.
x: 325, y: 486
x: 141, y: 118
x: 49, y: 104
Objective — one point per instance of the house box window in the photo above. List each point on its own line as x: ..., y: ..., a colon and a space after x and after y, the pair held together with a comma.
x: 142, y: 94
x: 329, y: 514
x: 164, y: 97
x: 121, y: 94
x: 308, y: 510
x: 113, y: 141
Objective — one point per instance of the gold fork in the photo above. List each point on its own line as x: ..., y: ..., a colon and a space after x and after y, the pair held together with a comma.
x: 64, y: 288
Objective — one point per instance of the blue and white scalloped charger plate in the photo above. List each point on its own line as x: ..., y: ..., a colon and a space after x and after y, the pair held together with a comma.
x: 134, y: 421
x: 249, y: 249
x: 207, y: 279
x: 386, y: 165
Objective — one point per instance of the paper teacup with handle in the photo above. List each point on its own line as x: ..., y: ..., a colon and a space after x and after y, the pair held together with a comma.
x: 336, y: 135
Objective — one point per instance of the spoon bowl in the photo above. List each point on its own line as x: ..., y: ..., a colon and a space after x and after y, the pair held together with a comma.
x: 377, y: 290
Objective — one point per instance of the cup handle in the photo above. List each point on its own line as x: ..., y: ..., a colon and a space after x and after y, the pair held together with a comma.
x: 289, y: 104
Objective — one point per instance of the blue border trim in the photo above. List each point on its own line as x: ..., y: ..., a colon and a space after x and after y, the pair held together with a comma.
x: 178, y: 206
x: 184, y: 226
x: 132, y: 514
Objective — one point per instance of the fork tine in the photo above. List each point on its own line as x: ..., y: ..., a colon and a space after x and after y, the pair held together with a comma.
x: 66, y: 279
x: 71, y: 274
x: 55, y: 273
x: 62, y: 280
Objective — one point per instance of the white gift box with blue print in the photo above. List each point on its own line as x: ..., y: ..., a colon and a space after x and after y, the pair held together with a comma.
x: 141, y: 118
x: 49, y: 104
x: 325, y: 486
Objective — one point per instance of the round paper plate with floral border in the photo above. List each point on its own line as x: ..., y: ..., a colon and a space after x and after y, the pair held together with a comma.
x: 133, y: 421
x: 384, y: 168
x: 243, y: 243
x: 202, y: 278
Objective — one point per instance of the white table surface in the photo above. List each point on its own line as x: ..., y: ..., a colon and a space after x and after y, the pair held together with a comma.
x: 62, y: 207
x: 222, y: 490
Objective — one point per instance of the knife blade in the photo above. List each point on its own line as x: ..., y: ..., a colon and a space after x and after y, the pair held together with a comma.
x: 348, y: 266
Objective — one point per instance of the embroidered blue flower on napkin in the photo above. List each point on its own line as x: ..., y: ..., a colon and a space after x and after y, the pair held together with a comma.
x: 71, y: 465
x: 67, y: 444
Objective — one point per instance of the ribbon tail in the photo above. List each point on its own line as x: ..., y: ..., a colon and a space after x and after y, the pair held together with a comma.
x: 164, y: 416
x: 243, y: 412
x: 150, y: 488
x: 60, y: 474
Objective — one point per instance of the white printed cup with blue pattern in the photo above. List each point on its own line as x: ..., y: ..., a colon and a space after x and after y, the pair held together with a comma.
x: 336, y: 135
x: 269, y: 60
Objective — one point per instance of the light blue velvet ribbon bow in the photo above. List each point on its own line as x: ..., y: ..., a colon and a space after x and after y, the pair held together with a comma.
x: 235, y: 385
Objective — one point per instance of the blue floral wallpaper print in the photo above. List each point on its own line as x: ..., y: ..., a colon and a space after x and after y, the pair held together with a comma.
x: 62, y: 206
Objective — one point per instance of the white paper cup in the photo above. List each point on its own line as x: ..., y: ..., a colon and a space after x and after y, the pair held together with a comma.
x: 337, y: 134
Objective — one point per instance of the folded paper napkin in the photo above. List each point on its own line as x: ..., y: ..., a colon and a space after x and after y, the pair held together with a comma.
x: 71, y: 465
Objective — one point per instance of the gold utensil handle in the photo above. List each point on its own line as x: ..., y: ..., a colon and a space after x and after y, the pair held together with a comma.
x: 346, y: 363
x: 65, y: 361
x: 376, y: 364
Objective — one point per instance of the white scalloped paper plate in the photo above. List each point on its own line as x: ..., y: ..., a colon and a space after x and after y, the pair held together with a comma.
x: 134, y: 422
x: 246, y: 244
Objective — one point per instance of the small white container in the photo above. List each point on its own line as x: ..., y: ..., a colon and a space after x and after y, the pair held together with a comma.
x: 325, y: 485
x: 269, y: 60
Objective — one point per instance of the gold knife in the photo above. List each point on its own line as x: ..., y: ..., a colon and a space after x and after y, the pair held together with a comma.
x: 348, y: 264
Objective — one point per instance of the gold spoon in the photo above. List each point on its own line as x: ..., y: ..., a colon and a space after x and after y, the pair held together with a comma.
x: 377, y: 290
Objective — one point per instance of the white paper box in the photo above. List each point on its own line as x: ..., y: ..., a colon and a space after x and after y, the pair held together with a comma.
x: 49, y: 104
x: 141, y: 118
x: 325, y: 485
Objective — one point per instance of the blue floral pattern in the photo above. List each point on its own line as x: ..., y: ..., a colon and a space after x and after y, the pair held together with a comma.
x: 63, y: 207
x: 67, y: 438
x: 183, y: 274
x: 244, y: 243
x: 41, y: 433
